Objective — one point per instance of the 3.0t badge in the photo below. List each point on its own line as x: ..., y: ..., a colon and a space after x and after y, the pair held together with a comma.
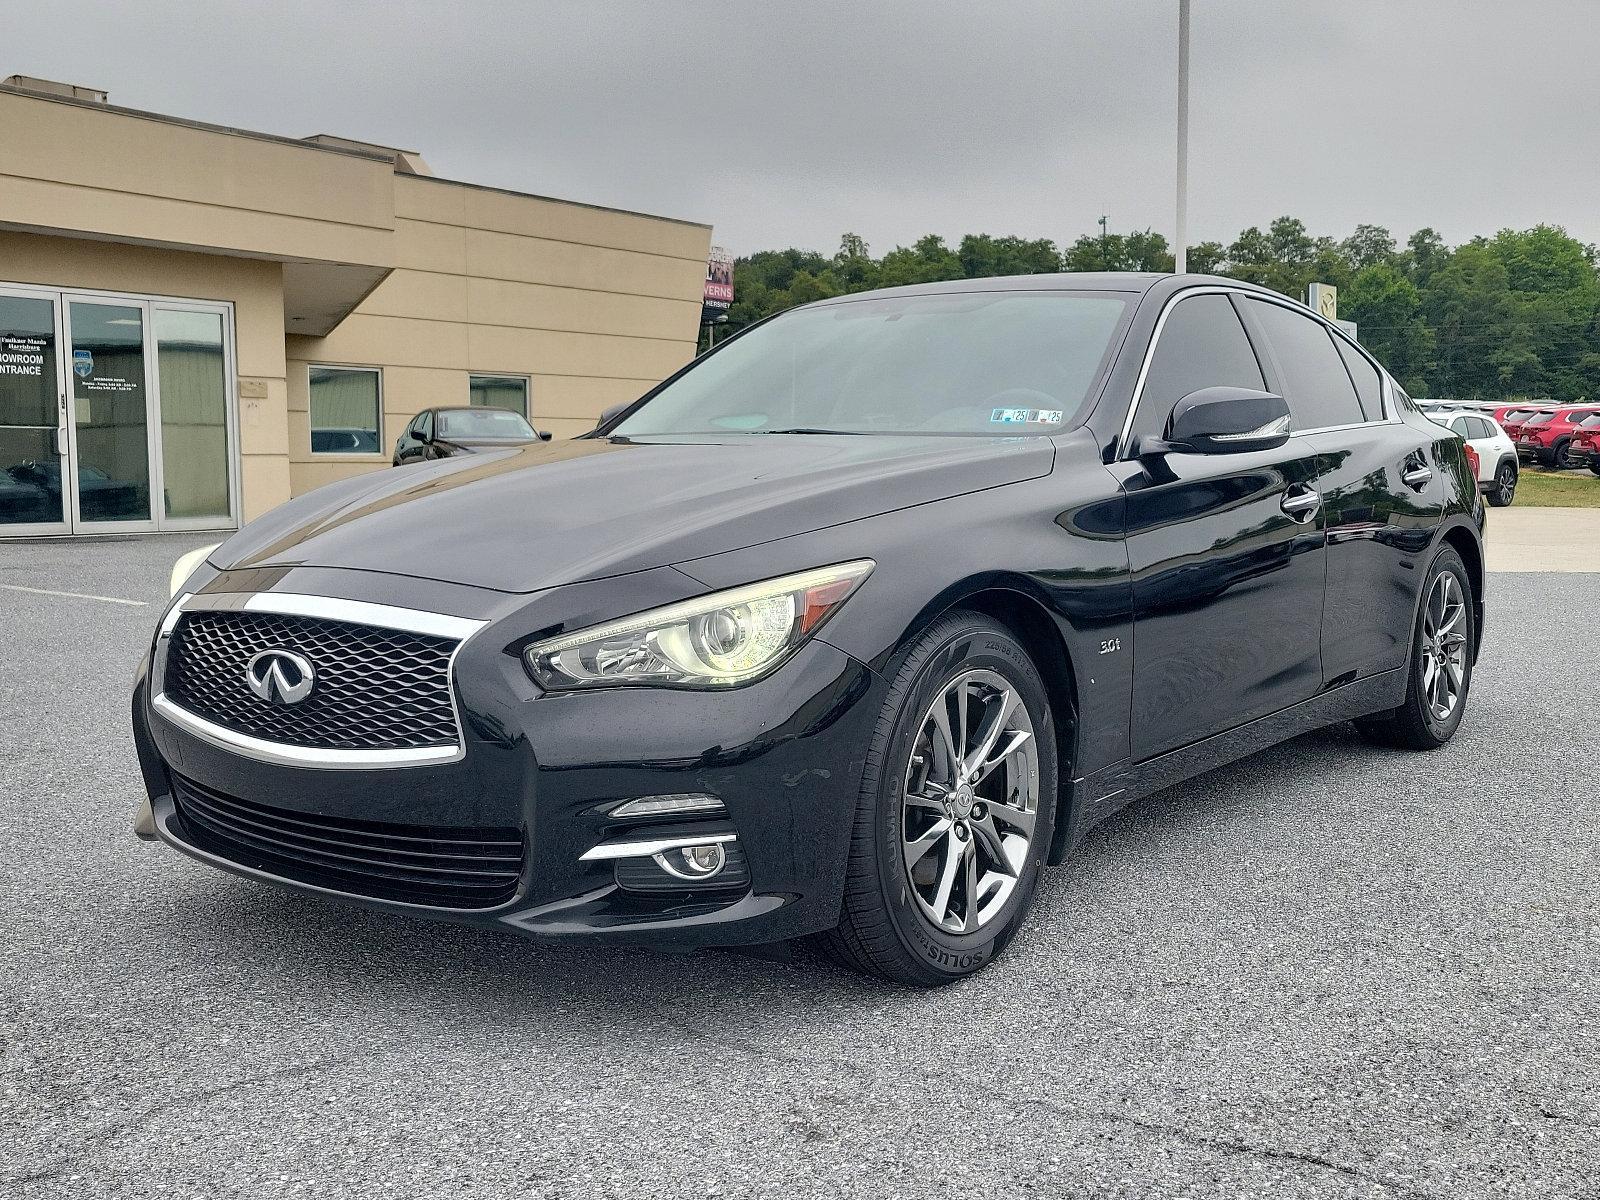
x: 280, y: 676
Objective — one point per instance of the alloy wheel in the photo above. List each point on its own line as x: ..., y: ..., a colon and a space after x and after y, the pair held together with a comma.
x: 1508, y: 484
x: 1443, y: 651
x: 970, y: 800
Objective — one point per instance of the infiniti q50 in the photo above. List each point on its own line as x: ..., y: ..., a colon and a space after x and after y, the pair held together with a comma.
x: 843, y: 633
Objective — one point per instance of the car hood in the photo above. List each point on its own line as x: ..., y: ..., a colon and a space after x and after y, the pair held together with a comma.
x: 561, y: 512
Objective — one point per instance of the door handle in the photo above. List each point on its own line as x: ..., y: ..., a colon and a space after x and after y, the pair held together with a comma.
x: 55, y: 442
x: 1416, y: 476
x: 1302, y: 504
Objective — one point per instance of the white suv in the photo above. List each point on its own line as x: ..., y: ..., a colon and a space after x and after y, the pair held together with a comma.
x: 1497, y: 453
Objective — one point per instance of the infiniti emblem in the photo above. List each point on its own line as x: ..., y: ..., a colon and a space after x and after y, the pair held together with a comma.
x: 280, y: 677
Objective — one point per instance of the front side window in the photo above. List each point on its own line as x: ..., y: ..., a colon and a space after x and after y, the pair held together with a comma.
x: 1201, y: 345
x: 976, y: 363
x: 346, y: 406
x: 1459, y: 426
x: 1315, y: 382
x: 499, y: 391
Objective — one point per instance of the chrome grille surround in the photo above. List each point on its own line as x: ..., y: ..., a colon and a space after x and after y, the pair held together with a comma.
x: 388, y: 698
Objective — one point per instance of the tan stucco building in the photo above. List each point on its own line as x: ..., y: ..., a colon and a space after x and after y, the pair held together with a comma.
x: 197, y: 323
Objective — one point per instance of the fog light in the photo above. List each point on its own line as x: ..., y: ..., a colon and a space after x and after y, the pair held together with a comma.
x: 661, y: 806
x: 693, y: 862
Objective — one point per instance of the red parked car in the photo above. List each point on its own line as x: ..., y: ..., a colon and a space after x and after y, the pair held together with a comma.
x: 1515, y: 417
x: 1547, y: 436
x: 1585, y: 447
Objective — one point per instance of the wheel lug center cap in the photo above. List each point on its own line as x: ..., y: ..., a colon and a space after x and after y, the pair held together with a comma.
x: 961, y: 801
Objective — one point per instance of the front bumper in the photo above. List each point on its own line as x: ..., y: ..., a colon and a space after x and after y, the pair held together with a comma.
x: 784, y: 756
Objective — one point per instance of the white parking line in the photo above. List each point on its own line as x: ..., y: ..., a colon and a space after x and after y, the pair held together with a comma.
x: 17, y: 587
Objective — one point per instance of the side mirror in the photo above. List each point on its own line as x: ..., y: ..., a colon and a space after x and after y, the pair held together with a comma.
x: 423, y: 436
x: 544, y: 434
x: 1223, y: 420
x: 606, y: 414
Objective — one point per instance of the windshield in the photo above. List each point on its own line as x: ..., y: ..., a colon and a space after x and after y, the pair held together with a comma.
x: 483, y: 423
x: 969, y: 363
x: 1541, y: 418
x: 1591, y: 421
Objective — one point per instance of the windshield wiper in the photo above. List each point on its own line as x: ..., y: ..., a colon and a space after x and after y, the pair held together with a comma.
x: 812, y: 429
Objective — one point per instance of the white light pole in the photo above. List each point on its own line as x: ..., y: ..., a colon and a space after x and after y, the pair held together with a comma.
x: 1180, y: 248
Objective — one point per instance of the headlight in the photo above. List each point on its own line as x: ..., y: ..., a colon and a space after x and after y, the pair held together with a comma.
x: 716, y: 641
x: 185, y: 567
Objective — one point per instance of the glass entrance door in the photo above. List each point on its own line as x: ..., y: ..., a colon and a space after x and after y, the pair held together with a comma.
x: 110, y: 406
x: 32, y: 416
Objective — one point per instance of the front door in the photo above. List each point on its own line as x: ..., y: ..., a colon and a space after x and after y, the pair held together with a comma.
x: 1227, y: 550
x: 116, y: 413
x: 33, y: 408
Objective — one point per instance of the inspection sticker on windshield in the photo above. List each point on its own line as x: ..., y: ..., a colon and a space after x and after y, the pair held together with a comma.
x: 1025, y: 416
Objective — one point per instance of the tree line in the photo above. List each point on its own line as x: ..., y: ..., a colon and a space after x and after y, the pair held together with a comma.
x: 1513, y: 315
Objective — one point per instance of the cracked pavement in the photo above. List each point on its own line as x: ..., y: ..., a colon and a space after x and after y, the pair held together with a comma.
x: 1329, y: 970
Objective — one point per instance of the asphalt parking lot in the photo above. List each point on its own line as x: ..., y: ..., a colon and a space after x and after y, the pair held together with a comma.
x: 1328, y: 971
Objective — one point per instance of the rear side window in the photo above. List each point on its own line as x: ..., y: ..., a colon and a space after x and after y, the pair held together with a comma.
x: 1317, y: 386
x: 1369, y: 387
x: 1481, y: 428
x: 1202, y: 345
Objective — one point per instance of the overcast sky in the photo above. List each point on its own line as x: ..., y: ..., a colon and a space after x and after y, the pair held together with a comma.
x: 788, y: 123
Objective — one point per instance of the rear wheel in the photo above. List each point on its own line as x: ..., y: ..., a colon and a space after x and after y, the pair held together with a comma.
x: 1505, y: 486
x: 1441, y: 664
x: 1559, y: 458
x: 955, y: 812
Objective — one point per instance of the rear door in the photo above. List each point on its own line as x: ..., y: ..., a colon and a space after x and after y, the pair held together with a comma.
x: 1227, y: 559
x: 1380, y: 480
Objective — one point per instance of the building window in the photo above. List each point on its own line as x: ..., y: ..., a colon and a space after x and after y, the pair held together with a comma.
x: 346, y: 410
x: 499, y: 391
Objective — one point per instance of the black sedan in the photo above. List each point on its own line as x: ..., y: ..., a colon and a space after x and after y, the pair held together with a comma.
x: 447, y: 432
x: 843, y: 632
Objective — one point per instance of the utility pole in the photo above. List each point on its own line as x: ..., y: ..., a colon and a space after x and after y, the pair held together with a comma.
x: 1180, y: 248
x: 1105, y: 260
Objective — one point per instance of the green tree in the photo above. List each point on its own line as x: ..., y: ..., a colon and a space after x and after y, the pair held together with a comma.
x: 1387, y: 309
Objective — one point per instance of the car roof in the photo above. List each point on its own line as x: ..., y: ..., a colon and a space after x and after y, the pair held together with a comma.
x: 1130, y: 282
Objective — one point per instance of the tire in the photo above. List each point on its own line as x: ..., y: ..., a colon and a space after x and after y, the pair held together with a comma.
x: 1594, y: 463
x: 1418, y: 724
x: 1558, y: 455
x: 889, y: 924
x: 1505, y: 486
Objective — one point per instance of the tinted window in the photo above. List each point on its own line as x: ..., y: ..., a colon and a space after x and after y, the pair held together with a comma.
x: 1541, y: 418
x: 1202, y: 345
x: 1315, y: 383
x: 425, y: 423
x: 1369, y: 387
x: 980, y: 363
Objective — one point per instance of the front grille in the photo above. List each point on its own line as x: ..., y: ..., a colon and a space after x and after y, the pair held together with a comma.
x: 376, y: 689
x: 415, y: 864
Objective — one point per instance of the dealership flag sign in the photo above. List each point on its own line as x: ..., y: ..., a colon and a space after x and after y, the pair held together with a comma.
x: 719, y: 283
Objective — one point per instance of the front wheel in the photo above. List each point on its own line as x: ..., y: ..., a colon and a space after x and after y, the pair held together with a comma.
x: 956, y: 809
x: 1441, y: 664
x: 1505, y: 486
